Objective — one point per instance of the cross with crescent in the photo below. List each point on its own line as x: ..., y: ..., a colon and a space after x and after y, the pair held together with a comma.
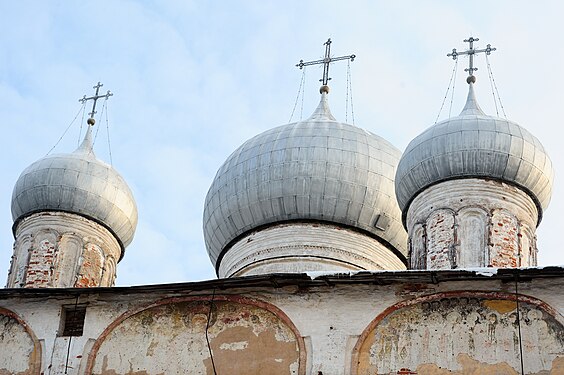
x: 471, y: 52
x: 325, y: 61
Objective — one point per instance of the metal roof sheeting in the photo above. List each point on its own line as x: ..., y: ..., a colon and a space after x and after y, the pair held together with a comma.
x: 318, y: 169
x: 475, y: 145
x: 77, y: 183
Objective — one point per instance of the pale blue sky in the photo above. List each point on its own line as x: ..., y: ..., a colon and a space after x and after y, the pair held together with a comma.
x: 193, y: 80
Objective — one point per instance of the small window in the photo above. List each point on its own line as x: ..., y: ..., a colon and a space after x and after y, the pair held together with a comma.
x: 72, y: 320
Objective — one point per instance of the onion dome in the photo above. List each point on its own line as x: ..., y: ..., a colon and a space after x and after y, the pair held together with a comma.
x: 313, y: 170
x: 475, y: 145
x: 81, y: 184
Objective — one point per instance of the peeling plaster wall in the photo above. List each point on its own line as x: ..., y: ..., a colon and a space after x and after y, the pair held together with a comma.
x: 332, y: 329
x: 59, y: 249
x: 302, y: 247
x: 472, y: 223
x: 243, y: 338
x: 19, y: 351
x: 463, y: 332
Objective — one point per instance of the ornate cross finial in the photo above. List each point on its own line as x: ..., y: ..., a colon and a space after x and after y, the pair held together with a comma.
x: 95, y: 98
x: 471, y: 52
x: 325, y: 61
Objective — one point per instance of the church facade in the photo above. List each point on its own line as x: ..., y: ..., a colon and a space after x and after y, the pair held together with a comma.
x: 403, y: 322
x: 335, y: 254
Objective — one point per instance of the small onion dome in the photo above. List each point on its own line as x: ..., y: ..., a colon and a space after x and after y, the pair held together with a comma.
x: 475, y: 145
x: 318, y: 169
x: 81, y: 184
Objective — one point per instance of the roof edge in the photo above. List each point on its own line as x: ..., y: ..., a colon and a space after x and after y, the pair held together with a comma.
x: 313, y: 279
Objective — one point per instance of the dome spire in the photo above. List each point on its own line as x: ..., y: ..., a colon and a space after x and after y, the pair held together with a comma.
x: 471, y: 107
x: 322, y: 112
x: 87, y: 145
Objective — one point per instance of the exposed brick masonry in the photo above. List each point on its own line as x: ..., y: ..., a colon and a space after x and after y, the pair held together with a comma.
x: 57, y: 249
x: 472, y: 223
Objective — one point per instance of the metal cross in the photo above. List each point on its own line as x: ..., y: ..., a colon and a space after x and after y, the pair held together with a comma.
x: 95, y: 99
x: 325, y: 61
x: 471, y: 52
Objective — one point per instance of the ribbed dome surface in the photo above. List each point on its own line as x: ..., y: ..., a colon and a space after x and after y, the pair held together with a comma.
x: 318, y: 169
x: 475, y: 145
x: 78, y: 183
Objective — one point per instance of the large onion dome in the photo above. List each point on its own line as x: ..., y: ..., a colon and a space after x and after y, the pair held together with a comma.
x: 475, y: 145
x: 313, y: 170
x: 78, y: 183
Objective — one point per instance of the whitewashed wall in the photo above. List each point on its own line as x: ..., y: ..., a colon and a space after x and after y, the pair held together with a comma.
x: 337, y: 325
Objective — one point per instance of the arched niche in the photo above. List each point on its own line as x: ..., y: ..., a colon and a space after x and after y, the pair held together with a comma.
x: 462, y: 333
x: 527, y: 246
x: 70, y: 249
x: 20, y: 351
x: 246, y: 336
x: 40, y: 265
x: 504, y: 238
x: 473, y: 223
x: 109, y: 271
x: 91, y: 266
x: 440, y: 226
x: 20, y: 261
x: 418, y: 248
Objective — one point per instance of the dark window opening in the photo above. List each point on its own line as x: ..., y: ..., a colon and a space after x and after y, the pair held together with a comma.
x: 72, y: 320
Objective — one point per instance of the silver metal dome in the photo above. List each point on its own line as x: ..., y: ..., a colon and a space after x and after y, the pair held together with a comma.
x: 318, y: 169
x: 475, y: 145
x: 77, y: 183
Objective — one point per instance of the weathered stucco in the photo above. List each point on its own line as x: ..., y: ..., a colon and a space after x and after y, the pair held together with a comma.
x: 243, y: 338
x: 472, y: 223
x: 60, y: 249
x: 296, y: 324
x: 297, y: 247
x: 20, y: 352
x: 462, y: 333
